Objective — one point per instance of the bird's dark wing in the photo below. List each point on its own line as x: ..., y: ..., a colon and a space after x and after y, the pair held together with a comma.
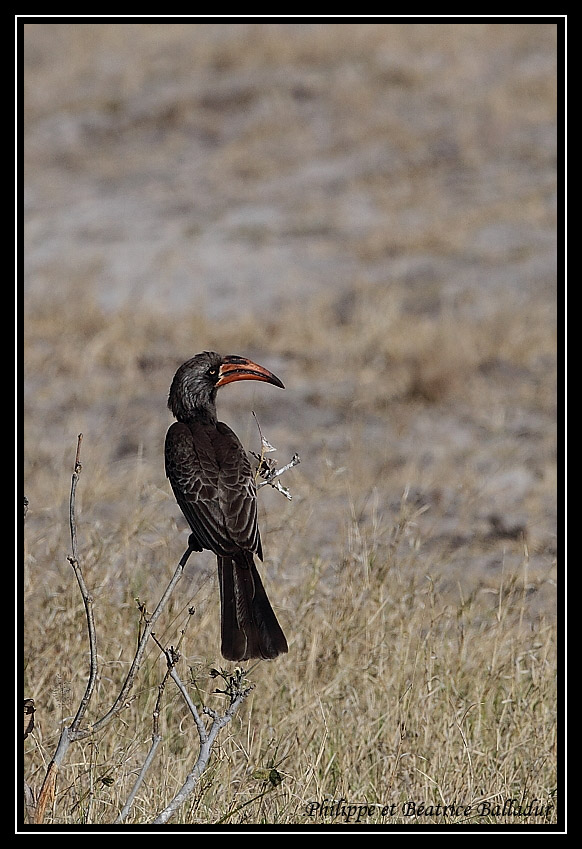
x: 212, y: 480
x: 237, y: 491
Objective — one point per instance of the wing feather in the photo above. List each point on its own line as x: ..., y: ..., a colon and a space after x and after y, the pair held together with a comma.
x: 212, y: 480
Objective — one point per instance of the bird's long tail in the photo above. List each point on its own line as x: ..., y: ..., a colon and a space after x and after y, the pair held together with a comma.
x: 249, y: 627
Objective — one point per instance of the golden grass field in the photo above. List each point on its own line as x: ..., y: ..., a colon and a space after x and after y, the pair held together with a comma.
x: 414, y: 570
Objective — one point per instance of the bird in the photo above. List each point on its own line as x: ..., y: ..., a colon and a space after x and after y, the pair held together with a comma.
x: 211, y: 477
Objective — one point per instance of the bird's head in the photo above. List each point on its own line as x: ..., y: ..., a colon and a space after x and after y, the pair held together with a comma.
x: 194, y: 387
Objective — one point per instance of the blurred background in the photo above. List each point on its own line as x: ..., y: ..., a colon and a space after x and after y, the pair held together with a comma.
x: 369, y: 210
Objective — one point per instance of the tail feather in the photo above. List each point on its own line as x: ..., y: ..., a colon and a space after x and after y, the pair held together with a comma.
x: 249, y: 627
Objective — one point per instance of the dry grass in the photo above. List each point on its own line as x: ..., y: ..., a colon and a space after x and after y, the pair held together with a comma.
x: 369, y: 211
x: 414, y: 673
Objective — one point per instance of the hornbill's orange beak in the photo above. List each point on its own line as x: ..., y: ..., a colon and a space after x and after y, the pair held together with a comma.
x: 239, y: 368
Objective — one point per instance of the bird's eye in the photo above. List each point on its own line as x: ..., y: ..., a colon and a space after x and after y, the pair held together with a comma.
x: 212, y: 372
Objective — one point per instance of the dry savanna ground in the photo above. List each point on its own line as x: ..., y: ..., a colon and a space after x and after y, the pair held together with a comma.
x: 384, y: 197
x: 422, y: 661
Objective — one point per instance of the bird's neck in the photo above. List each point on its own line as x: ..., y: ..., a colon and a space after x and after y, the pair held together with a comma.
x: 192, y: 407
x: 202, y: 414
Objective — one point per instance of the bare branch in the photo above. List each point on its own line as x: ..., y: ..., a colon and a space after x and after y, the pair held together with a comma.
x: 272, y: 474
x: 87, y: 597
x: 201, y: 728
x: 172, y: 655
x: 73, y: 733
x: 267, y: 468
x: 237, y: 694
x: 120, y: 701
x: 156, y: 740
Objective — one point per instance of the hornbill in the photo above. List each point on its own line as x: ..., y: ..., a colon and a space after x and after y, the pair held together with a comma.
x: 213, y: 482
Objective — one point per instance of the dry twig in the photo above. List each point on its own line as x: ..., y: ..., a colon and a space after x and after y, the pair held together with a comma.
x: 267, y: 468
x: 237, y: 693
x: 73, y: 732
